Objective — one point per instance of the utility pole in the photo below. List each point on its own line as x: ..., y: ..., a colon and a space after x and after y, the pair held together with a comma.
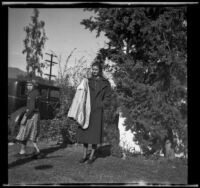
x: 51, y: 64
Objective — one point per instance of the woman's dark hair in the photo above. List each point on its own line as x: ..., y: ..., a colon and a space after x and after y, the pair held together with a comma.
x: 99, y: 65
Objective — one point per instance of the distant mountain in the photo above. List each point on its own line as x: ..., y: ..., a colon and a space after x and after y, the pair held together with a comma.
x: 13, y: 72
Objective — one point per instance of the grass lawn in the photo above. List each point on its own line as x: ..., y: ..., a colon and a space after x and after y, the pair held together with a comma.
x: 60, y: 166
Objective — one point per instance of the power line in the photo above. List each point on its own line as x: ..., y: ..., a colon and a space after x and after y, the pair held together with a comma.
x: 51, y: 64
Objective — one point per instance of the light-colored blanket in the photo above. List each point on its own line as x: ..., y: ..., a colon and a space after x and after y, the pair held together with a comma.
x: 80, y: 107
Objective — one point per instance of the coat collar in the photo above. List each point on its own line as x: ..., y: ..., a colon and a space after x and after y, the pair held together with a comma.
x: 99, y: 78
x: 102, y: 80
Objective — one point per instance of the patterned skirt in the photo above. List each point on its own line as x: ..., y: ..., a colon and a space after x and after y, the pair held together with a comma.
x: 30, y: 131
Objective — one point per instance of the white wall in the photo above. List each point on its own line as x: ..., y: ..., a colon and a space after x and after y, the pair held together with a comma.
x: 126, y: 137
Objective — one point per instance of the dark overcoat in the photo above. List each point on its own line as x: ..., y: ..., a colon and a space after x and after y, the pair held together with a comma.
x: 100, y: 95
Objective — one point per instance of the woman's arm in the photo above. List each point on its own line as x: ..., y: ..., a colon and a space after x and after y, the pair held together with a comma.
x: 107, y: 96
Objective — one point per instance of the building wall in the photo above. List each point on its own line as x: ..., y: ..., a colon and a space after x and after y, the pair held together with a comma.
x: 126, y: 137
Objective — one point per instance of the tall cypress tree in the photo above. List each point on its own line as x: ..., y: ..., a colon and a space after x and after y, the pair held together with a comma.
x: 149, y: 48
x: 34, y: 43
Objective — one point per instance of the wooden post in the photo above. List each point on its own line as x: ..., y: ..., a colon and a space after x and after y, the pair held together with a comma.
x: 51, y: 64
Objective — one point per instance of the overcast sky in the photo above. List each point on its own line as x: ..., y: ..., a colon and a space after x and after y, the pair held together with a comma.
x: 63, y: 30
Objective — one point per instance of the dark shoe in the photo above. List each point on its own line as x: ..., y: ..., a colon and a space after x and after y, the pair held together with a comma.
x: 83, y: 160
x: 90, y: 161
x: 36, y: 155
x: 39, y: 156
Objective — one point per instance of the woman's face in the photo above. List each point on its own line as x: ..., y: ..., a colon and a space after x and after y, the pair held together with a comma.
x: 95, y: 70
x: 30, y: 87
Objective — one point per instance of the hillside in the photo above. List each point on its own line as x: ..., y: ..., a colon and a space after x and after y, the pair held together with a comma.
x: 13, y: 72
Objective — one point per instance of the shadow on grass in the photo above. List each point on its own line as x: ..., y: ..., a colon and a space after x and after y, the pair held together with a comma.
x: 103, y: 151
x: 31, y: 157
x: 43, y: 167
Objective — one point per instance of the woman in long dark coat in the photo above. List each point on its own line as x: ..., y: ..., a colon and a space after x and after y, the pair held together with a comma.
x: 100, y: 93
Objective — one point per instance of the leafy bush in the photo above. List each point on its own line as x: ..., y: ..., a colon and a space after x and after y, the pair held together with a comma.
x: 58, y: 129
x: 48, y: 130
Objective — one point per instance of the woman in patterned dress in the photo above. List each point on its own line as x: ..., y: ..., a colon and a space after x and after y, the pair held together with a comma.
x: 29, y: 126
